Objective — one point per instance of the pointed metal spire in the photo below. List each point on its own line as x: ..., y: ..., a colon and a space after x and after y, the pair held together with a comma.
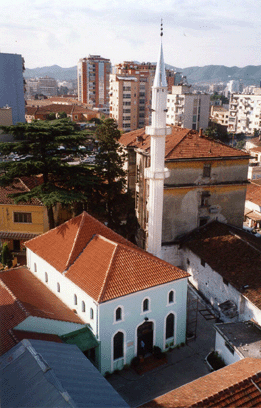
x: 160, y: 75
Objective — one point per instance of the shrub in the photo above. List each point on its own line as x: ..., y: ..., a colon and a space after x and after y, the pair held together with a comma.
x: 6, y: 256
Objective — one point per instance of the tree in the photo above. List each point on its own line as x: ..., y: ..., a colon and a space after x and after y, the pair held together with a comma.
x: 109, y: 168
x: 51, y: 116
x: 39, y: 148
x: 6, y: 256
x: 62, y: 115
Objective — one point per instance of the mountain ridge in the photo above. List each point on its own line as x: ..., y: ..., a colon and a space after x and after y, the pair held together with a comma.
x: 250, y: 74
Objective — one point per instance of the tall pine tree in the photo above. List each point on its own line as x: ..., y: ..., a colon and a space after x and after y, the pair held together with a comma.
x: 39, y: 146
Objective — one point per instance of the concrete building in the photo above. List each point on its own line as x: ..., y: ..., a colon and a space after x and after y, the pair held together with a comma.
x: 245, y: 112
x: 219, y: 115
x: 93, y: 80
x: 12, y: 85
x: 187, y: 109
x: 47, y: 86
x: 208, y: 181
x: 31, y: 88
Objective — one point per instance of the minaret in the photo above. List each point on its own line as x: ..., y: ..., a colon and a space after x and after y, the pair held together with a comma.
x: 156, y: 173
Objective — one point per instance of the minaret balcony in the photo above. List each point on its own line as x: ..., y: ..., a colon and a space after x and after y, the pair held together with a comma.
x: 152, y: 131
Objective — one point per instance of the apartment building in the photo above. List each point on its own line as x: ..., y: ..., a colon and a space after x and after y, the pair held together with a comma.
x: 219, y: 114
x: 187, y: 109
x: 47, y: 86
x: 245, y: 112
x: 93, y: 80
x: 12, y: 85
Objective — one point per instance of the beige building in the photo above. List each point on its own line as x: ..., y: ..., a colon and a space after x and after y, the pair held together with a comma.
x: 207, y: 182
x: 187, y: 109
x: 6, y: 116
x: 245, y: 112
x: 93, y: 80
x: 219, y: 114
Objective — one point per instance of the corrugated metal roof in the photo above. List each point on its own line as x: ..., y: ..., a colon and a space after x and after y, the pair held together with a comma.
x: 38, y: 373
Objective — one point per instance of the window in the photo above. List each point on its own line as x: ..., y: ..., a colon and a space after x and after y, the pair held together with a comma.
x: 46, y: 277
x: 206, y: 170
x: 58, y: 287
x: 91, y: 313
x: 118, y: 314
x: 22, y: 217
x: 83, y: 306
x: 145, y: 305
x: 75, y: 299
x: 171, y: 296
x: 35, y: 267
x: 204, y: 199
x: 170, y: 326
x: 118, y: 345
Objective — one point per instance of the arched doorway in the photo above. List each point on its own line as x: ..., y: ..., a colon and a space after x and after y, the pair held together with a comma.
x: 145, y: 335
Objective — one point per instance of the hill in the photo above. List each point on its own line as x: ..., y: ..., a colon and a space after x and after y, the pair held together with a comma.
x: 208, y: 74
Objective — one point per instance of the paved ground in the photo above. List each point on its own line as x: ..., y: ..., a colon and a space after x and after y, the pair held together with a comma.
x: 184, y: 365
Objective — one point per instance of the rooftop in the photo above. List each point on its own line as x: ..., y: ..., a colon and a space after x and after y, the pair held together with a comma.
x: 253, y: 192
x: 243, y: 336
x: 237, y: 385
x: 101, y: 262
x: 183, y: 144
x: 20, y: 185
x: 231, y: 252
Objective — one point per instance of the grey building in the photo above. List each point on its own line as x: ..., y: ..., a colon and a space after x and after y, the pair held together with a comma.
x: 12, y: 85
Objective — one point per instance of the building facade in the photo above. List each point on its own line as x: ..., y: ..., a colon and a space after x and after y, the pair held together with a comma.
x: 93, y: 80
x: 12, y: 85
x: 187, y: 109
x: 245, y: 112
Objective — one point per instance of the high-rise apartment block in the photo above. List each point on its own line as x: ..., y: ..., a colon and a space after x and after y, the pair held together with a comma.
x: 93, y: 74
x: 187, y: 109
x: 245, y: 112
x: 12, y: 85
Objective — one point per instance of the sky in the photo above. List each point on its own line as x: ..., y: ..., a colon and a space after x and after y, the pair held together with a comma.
x: 196, y: 32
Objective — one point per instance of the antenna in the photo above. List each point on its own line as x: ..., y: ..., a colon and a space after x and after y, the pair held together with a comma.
x: 161, y: 28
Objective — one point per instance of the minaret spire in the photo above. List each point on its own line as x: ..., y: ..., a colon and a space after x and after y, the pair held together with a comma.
x: 157, y: 172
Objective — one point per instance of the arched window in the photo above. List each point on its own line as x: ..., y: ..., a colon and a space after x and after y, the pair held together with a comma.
x: 118, y: 314
x: 35, y: 267
x: 46, y: 277
x: 83, y: 306
x: 145, y: 305
x: 118, y: 345
x: 170, y: 326
x: 91, y: 313
x: 171, y: 296
x: 58, y: 287
x: 75, y: 299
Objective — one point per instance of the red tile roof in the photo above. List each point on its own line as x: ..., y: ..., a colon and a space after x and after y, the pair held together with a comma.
x: 20, y: 185
x: 101, y: 262
x: 183, y: 144
x: 253, y: 193
x: 233, y: 386
x: 231, y: 252
x: 34, y: 297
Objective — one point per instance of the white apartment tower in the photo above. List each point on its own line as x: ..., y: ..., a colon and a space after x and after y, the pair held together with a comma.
x: 156, y: 173
x: 187, y: 109
x: 245, y: 112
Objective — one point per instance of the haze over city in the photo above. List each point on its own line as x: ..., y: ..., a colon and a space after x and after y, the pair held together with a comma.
x: 48, y: 32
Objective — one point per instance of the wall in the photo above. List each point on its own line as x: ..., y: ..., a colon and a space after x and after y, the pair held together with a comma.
x: 38, y: 225
x: 224, y: 352
x: 212, y: 286
x: 133, y: 317
x: 67, y: 289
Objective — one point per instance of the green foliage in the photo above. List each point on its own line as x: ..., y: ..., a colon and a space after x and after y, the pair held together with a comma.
x: 40, y: 153
x: 109, y: 168
x: 6, y: 256
x: 216, y: 97
x: 62, y: 115
x: 51, y: 116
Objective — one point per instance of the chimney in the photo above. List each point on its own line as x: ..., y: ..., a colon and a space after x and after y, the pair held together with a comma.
x: 200, y: 132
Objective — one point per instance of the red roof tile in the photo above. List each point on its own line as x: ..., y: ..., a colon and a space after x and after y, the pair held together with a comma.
x: 231, y: 252
x: 101, y: 262
x: 34, y: 297
x: 231, y: 386
x: 253, y: 193
x: 183, y: 144
x: 20, y: 185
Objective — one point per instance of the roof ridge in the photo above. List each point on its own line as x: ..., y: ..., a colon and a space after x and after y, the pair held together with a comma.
x: 28, y: 189
x: 20, y: 304
x: 75, y: 240
x: 103, y: 286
